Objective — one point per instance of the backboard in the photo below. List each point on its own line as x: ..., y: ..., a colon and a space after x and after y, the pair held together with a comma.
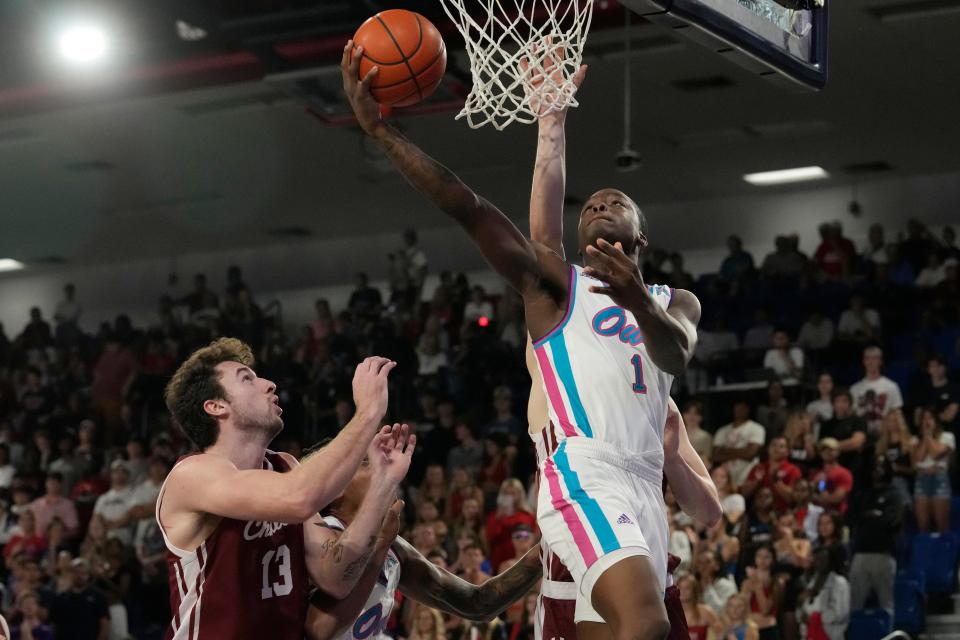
x: 777, y: 39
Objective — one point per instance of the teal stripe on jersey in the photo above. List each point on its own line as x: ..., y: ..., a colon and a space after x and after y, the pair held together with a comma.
x: 598, y: 521
x: 561, y: 361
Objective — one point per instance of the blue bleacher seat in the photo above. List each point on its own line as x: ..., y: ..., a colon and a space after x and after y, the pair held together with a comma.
x: 935, y: 554
x: 908, y: 602
x: 900, y: 372
x: 945, y: 342
x: 868, y: 624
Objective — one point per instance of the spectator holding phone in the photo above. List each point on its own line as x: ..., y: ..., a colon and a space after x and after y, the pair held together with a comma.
x: 833, y: 482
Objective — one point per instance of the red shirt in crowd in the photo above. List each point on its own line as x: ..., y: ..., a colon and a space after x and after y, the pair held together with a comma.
x: 787, y: 473
x: 500, y: 531
x: 35, y: 545
x: 836, y: 477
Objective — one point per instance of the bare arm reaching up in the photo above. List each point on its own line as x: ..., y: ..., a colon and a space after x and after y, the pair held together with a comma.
x: 525, y: 265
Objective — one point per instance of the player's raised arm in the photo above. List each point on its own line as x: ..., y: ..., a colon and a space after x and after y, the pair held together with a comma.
x: 550, y: 170
x: 209, y: 483
x: 688, y: 476
x: 328, y: 617
x: 424, y: 582
x: 501, y: 243
x: 336, y: 560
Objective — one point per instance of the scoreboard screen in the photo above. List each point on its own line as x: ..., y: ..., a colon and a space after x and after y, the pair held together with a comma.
x: 774, y: 38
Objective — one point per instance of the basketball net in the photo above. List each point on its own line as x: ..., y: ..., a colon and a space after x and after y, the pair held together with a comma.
x: 523, y: 56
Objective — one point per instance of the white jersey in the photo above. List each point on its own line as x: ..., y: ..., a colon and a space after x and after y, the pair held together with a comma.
x: 376, y: 611
x: 598, y: 377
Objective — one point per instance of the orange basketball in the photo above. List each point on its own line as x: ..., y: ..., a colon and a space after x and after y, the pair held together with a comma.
x: 409, y: 52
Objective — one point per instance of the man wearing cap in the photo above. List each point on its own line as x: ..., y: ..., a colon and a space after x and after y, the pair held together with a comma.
x: 522, y: 540
x: 832, y: 483
x: 115, y: 503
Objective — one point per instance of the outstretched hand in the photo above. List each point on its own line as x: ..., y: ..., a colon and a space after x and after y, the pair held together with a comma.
x: 390, y: 453
x: 358, y: 91
x: 371, y: 386
x: 620, y: 273
x: 552, y: 67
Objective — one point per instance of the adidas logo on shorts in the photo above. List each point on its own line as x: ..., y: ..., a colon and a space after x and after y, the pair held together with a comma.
x: 623, y: 519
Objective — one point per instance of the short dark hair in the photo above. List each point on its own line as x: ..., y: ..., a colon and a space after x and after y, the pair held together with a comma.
x: 197, y: 381
x: 437, y: 553
x: 939, y: 359
x: 842, y: 391
x: 693, y: 404
x: 55, y: 475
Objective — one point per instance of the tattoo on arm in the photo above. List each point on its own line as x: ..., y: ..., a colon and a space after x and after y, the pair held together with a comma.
x: 428, y: 176
x: 357, y: 567
x: 496, y: 594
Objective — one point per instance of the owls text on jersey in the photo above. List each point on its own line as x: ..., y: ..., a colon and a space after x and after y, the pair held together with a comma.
x: 599, y: 379
x: 376, y: 611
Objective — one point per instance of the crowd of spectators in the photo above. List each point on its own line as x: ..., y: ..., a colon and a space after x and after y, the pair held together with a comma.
x: 853, y: 439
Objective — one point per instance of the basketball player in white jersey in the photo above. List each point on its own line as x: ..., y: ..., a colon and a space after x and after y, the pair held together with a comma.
x: 682, y: 466
x: 608, y: 347
x: 396, y: 564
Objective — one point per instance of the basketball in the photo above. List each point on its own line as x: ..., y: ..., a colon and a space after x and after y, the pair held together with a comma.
x: 409, y: 53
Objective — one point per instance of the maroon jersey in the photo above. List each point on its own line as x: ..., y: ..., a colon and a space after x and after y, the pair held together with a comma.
x: 247, y: 580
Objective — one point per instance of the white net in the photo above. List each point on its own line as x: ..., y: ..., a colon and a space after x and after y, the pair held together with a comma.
x: 524, y: 55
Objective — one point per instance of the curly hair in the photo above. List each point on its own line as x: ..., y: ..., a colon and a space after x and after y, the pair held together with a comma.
x: 197, y: 381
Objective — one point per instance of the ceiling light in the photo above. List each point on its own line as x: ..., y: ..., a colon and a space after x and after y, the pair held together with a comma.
x: 784, y: 176
x: 9, y: 264
x: 83, y: 43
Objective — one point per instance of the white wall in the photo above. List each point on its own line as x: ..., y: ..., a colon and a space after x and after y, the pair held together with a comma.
x: 298, y: 273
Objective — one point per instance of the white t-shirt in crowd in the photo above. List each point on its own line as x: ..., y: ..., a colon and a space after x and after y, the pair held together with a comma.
x: 822, y: 409
x: 113, y: 504
x: 146, y: 493
x: 852, y: 323
x: 748, y: 433
x: 816, y: 336
x: 930, y: 462
x: 733, y: 504
x: 873, y: 399
x: 774, y: 360
x: 431, y: 363
x: 929, y: 277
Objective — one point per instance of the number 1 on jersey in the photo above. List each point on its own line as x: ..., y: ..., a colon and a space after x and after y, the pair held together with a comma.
x: 638, y: 386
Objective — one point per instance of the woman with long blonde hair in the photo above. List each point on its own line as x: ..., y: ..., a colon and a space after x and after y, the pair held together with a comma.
x: 735, y: 623
x: 427, y: 624
x: 896, y: 445
x: 512, y: 510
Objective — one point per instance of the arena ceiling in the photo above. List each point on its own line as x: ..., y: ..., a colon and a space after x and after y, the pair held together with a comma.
x: 183, y: 147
